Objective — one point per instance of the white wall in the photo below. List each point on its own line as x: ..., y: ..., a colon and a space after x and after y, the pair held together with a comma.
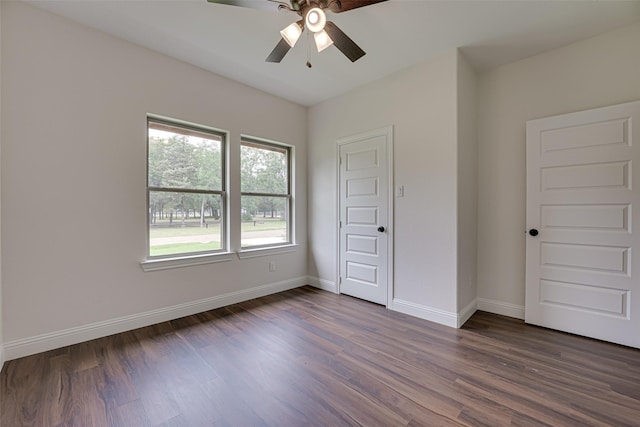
x: 601, y: 71
x: 467, y: 180
x: 421, y: 104
x: 74, y: 104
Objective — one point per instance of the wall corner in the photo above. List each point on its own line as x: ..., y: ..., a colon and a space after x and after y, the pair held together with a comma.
x: 466, y: 185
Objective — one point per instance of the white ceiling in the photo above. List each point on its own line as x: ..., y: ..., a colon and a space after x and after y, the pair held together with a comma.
x: 234, y: 41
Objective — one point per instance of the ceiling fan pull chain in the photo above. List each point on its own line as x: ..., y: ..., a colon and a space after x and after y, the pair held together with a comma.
x: 309, y: 49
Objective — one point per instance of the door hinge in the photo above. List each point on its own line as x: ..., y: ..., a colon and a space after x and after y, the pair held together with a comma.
x: 340, y: 224
x: 340, y: 159
x: 340, y: 280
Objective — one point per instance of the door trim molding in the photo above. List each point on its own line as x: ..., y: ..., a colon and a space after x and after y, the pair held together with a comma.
x: 387, y: 132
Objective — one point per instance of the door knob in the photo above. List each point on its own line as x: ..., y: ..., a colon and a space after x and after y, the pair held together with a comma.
x: 533, y: 232
x: 381, y: 229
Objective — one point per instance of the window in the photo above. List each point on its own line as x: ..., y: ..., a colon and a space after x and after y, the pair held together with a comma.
x: 185, y: 189
x: 266, y: 194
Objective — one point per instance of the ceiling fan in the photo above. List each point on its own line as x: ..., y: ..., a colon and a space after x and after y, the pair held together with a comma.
x: 314, y: 19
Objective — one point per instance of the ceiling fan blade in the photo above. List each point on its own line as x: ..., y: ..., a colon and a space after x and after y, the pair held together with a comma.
x: 343, y: 42
x: 344, y: 5
x: 279, y: 51
x: 252, y: 4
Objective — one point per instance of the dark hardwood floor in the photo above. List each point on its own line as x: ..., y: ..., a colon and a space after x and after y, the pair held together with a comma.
x: 308, y: 357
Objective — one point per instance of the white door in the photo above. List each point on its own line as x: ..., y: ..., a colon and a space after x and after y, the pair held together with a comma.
x: 364, y: 215
x: 583, y: 198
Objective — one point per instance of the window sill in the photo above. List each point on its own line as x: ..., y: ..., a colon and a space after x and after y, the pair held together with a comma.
x: 186, y: 261
x: 272, y: 250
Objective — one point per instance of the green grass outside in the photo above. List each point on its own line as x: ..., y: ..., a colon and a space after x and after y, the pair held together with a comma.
x: 266, y: 225
x: 192, y: 228
x: 181, y: 248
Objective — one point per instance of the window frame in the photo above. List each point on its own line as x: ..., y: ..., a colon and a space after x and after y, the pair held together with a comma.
x: 289, y: 199
x: 156, y: 262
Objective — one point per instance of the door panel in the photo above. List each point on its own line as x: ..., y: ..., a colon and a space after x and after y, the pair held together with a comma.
x: 363, y: 207
x: 589, y: 298
x: 598, y: 175
x: 361, y: 215
x: 581, y: 190
x: 585, y: 257
x: 362, y: 187
x: 587, y: 217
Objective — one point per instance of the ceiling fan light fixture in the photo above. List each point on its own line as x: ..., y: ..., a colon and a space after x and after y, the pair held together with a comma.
x: 315, y: 19
x: 323, y: 40
x: 292, y: 33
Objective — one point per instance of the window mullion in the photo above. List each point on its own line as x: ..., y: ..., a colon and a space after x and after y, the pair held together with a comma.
x: 245, y: 193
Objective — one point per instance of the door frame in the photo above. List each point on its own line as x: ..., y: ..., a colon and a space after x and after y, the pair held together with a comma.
x: 387, y: 132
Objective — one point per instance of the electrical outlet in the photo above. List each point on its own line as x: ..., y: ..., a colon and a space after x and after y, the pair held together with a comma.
x: 272, y: 266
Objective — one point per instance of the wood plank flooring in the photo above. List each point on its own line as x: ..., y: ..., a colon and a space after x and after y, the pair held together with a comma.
x: 309, y: 357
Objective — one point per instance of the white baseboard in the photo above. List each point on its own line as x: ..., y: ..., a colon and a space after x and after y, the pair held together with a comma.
x: 427, y: 313
x: 1, y: 357
x: 37, y: 344
x: 501, y: 307
x: 467, y: 312
x: 323, y: 284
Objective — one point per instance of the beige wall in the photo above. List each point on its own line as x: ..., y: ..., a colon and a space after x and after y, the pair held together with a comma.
x: 74, y: 104
x: 601, y: 71
x: 421, y: 104
x: 467, y: 181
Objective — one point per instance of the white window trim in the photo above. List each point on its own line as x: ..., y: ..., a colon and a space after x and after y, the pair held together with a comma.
x: 150, y: 264
x: 187, y: 261
x: 156, y: 264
